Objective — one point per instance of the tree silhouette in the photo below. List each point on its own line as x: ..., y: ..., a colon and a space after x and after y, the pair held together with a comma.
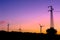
x: 51, y: 31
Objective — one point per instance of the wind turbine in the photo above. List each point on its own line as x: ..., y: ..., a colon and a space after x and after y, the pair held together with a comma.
x: 8, y: 27
x: 20, y: 30
x: 40, y: 28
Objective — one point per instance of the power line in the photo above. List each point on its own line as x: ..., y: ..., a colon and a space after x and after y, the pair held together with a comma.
x: 51, y: 2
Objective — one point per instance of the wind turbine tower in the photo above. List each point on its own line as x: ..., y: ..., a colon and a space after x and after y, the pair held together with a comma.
x: 8, y: 27
x: 41, y: 28
x: 20, y: 30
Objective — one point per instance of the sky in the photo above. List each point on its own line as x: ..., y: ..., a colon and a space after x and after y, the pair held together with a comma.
x: 28, y: 14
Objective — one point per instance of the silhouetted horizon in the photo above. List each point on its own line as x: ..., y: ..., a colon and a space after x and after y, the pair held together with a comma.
x: 22, y: 19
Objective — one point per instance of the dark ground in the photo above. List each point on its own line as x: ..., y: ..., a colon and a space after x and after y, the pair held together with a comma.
x: 27, y: 36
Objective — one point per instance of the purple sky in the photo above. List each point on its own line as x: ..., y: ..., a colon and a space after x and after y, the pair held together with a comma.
x: 28, y: 12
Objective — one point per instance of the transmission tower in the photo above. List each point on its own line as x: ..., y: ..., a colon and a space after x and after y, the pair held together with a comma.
x: 51, y: 16
x: 51, y: 30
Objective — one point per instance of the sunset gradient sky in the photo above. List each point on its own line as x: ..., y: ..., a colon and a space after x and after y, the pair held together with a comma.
x: 28, y: 14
